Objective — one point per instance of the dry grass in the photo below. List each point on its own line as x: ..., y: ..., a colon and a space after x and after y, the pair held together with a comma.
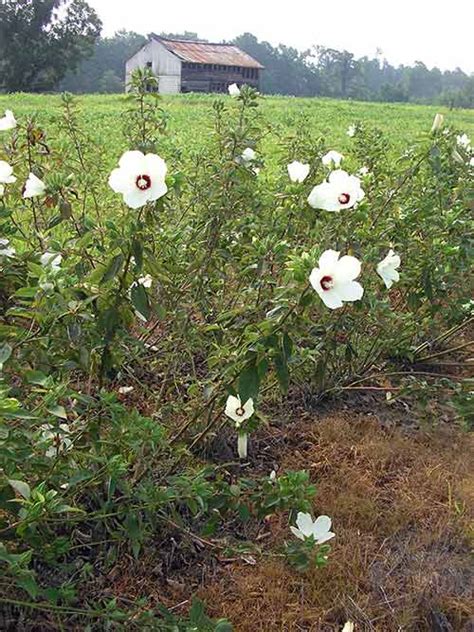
x: 400, y: 508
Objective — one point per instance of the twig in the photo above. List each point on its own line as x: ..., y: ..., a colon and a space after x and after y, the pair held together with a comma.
x: 444, y: 335
x: 446, y: 351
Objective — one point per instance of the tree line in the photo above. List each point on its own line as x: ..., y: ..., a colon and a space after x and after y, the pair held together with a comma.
x: 52, y: 45
x: 317, y: 72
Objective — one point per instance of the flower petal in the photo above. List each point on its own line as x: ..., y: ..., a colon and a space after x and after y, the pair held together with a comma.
x: 132, y: 160
x: 323, y: 196
x: 158, y: 189
x: 329, y: 260
x: 155, y: 166
x: 232, y: 404
x: 338, y: 176
x: 120, y: 181
x: 248, y: 408
x: 351, y: 291
x: 321, y: 525
x: 331, y: 299
x: 297, y: 532
x: 304, y: 522
x: 135, y: 198
x: 347, y: 269
x: 324, y: 538
x: 315, y: 279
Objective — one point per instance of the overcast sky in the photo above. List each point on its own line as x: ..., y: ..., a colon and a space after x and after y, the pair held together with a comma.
x: 437, y: 33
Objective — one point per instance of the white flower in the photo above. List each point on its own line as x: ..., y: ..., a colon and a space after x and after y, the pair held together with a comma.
x: 5, y: 249
x: 387, y: 269
x: 339, y: 192
x: 51, y: 259
x: 238, y: 412
x: 351, y: 130
x: 146, y: 280
x: 319, y: 529
x: 6, y: 173
x: 8, y: 121
x: 139, y: 178
x: 348, y: 627
x: 471, y: 162
x: 363, y: 171
x: 332, y: 158
x: 242, y: 444
x: 437, y: 122
x: 463, y: 141
x: 59, y: 442
x: 272, y: 476
x: 298, y: 171
x: 334, y: 279
x: 234, y: 90
x: 248, y: 155
x: 33, y: 187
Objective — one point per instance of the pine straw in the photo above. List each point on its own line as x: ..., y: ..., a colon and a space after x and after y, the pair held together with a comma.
x: 400, y: 560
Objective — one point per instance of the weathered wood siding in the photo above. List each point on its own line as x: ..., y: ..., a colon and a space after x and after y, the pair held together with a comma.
x: 165, y: 65
x: 216, y: 78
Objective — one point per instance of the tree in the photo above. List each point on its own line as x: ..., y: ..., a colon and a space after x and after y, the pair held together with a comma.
x: 40, y: 40
x: 104, y: 71
x: 340, y: 68
x: 187, y: 35
x: 287, y: 71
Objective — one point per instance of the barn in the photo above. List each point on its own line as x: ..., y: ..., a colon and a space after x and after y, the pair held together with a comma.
x: 194, y: 66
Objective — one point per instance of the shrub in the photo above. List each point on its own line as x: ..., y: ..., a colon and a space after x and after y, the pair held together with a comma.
x: 203, y: 275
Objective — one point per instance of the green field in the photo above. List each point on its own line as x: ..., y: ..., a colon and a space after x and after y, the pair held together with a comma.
x: 191, y: 116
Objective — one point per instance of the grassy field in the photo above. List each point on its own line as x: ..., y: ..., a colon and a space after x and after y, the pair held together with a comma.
x: 190, y: 116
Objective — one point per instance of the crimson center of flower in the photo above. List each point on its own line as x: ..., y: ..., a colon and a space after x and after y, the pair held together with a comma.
x: 240, y: 411
x: 344, y: 198
x: 143, y: 182
x: 327, y: 283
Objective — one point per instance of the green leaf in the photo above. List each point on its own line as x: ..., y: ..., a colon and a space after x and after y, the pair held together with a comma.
x: 57, y: 411
x: 197, y: 615
x: 26, y: 292
x: 21, y: 487
x: 5, y: 353
x: 320, y: 373
x: 281, y: 368
x: 140, y: 300
x: 113, y: 269
x: 137, y: 250
x: 249, y: 383
x: 29, y: 584
x: 287, y: 346
x: 36, y: 377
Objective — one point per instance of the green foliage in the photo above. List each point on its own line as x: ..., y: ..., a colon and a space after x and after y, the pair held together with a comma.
x: 40, y: 41
x: 305, y: 554
x: 117, y: 358
x: 104, y: 70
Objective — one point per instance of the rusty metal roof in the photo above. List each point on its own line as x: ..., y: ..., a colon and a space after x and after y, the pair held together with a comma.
x: 207, y: 53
